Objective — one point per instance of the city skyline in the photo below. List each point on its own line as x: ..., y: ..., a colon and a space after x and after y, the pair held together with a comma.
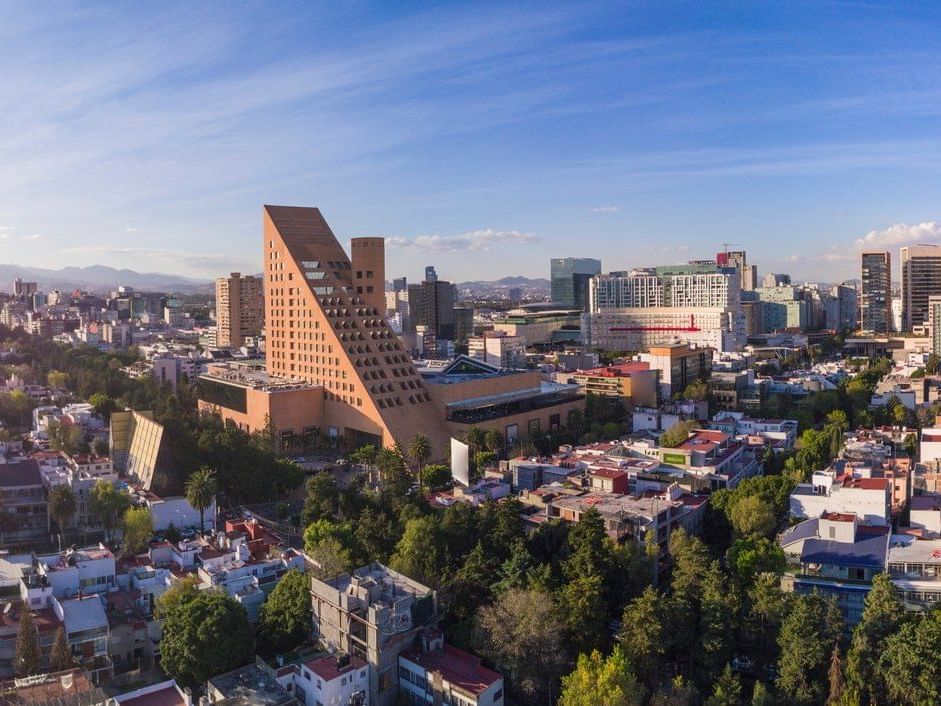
x: 151, y: 139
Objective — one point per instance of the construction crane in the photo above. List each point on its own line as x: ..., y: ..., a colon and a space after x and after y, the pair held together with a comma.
x: 728, y: 245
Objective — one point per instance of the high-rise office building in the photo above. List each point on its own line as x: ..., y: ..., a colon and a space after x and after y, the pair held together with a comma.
x: 773, y: 279
x: 431, y: 305
x: 875, y: 300
x: 24, y: 290
x: 240, y: 309
x: 321, y: 330
x: 399, y: 284
x: 569, y: 277
x: 430, y: 274
x: 921, y: 278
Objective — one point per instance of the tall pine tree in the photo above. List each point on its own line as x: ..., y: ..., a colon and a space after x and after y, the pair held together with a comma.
x: 26, y: 659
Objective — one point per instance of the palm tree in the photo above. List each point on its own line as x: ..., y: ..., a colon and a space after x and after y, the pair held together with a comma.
x: 62, y: 507
x: 495, y: 441
x: 200, y: 490
x: 420, y: 450
x: 475, y: 438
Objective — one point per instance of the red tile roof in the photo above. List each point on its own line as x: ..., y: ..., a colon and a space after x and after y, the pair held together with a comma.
x: 458, y: 667
x: 607, y: 473
x: 326, y: 667
x: 839, y: 516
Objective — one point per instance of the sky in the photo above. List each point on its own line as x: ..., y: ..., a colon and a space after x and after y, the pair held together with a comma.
x: 481, y: 138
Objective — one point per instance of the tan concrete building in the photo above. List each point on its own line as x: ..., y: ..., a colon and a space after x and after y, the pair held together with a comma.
x: 240, y: 309
x: 249, y: 397
x: 322, y: 330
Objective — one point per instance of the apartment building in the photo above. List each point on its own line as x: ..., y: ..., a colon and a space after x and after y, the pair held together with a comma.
x: 921, y: 277
x: 23, y: 498
x: 374, y: 615
x: 869, y: 499
x: 434, y: 672
x: 240, y: 309
x: 634, y: 383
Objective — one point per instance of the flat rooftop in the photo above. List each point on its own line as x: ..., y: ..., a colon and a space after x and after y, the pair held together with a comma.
x: 250, y: 686
x: 252, y: 378
x: 377, y: 583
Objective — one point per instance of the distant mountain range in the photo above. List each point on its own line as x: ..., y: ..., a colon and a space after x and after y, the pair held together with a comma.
x: 523, y: 282
x: 99, y: 278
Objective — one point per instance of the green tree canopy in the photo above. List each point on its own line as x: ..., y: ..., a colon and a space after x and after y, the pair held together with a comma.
x: 207, y: 635
x: 753, y: 517
x: 806, y: 636
x: 601, y: 681
x: 138, y: 529
x: 26, y: 657
x: 677, y: 434
x: 883, y: 613
x: 285, y: 619
x: 909, y: 665
x: 60, y: 658
x: 108, y: 505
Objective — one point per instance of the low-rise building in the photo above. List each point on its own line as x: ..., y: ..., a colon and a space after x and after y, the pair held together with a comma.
x: 434, y: 672
x: 634, y: 383
x: 835, y: 555
x: 868, y: 498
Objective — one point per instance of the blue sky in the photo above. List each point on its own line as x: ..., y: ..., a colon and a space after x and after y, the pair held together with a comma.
x: 483, y: 139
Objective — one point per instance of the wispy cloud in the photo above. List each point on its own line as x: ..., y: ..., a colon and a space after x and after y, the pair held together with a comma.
x: 473, y: 240
x: 901, y: 234
x: 606, y: 209
x: 34, y: 236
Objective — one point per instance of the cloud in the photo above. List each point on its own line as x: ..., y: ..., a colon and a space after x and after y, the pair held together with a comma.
x: 473, y: 240
x: 34, y: 236
x: 130, y: 230
x: 901, y: 234
x: 7, y: 229
x: 606, y: 209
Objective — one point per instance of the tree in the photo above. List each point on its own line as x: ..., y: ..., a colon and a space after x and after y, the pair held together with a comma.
x: 768, y: 607
x: 57, y: 379
x: 716, y: 615
x: 752, y: 517
x: 585, y: 612
x: 331, y: 557
x: 514, y: 572
x: 285, y: 619
x: 696, y: 391
x: 836, y: 676
x: 436, y: 477
x: 517, y: 625
x: 60, y: 658
x: 420, y: 450
x: 747, y: 558
x: 200, y: 491
x: 932, y: 364
x: 26, y: 658
x: 180, y: 592
x: 322, y: 499
x: 207, y: 635
x: 475, y: 437
x: 108, y: 505
x: 909, y: 664
x: 101, y: 447
x: 103, y: 404
x: 495, y: 441
x: 677, y: 434
x: 760, y: 695
x: 727, y: 690
x: 882, y: 614
x: 642, y: 636
x: 419, y: 554
x: 805, y: 637
x: 138, y: 529
x: 601, y: 681
x: 62, y: 508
